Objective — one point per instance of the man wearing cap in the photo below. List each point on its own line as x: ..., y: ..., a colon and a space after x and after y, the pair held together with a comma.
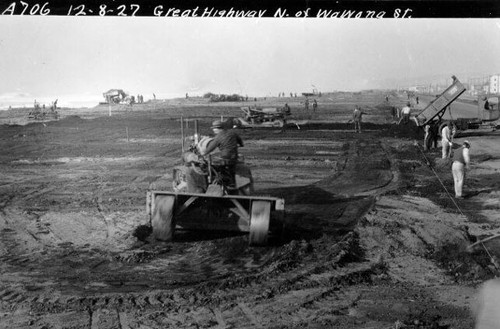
x: 461, y: 161
x: 227, y: 140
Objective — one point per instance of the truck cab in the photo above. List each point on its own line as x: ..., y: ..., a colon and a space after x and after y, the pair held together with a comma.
x: 488, y: 109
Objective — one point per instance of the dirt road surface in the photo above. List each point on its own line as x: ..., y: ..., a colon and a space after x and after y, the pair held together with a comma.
x: 373, y: 238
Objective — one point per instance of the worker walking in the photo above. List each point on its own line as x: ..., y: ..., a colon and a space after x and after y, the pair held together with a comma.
x: 357, y: 117
x: 315, y: 105
x: 446, y: 141
x: 227, y: 140
x: 461, y: 160
x: 405, y: 112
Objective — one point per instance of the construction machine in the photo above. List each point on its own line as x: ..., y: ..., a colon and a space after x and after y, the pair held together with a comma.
x: 264, y: 117
x: 203, y: 197
x: 463, y: 116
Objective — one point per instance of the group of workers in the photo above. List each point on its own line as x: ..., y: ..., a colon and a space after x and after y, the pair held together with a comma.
x: 314, y: 105
x: 460, y: 157
x: 228, y: 141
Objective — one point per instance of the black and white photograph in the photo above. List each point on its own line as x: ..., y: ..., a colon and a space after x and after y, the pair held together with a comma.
x: 182, y: 165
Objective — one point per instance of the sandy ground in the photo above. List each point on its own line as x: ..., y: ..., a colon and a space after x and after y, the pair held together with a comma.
x: 373, y: 238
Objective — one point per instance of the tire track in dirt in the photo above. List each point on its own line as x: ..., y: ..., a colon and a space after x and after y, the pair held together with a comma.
x: 303, y: 275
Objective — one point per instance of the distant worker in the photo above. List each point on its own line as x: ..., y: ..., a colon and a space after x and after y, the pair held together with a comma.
x: 461, y: 160
x: 405, y: 112
x: 427, y: 137
x: 416, y: 99
x: 306, y: 104
x: 446, y: 141
x: 486, y: 104
x: 387, y: 98
x: 287, y: 109
x: 227, y: 140
x: 187, y: 96
x: 315, y: 105
x: 433, y: 136
x: 357, y: 117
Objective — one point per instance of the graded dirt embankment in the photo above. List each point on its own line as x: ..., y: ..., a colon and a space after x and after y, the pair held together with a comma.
x: 372, y: 241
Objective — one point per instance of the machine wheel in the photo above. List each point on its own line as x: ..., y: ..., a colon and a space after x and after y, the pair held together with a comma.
x: 163, y: 223
x: 278, y: 123
x: 259, y: 222
x: 453, y: 128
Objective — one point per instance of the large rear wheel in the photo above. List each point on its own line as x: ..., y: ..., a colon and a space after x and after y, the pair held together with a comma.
x: 259, y: 222
x: 163, y: 222
x: 278, y: 123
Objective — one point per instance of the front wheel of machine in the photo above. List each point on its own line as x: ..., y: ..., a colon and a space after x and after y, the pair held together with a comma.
x: 259, y: 223
x: 163, y: 223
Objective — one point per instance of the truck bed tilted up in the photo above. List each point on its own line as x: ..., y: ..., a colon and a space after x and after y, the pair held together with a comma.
x: 438, y: 106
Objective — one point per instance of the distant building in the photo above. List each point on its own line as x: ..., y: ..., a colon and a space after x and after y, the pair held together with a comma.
x: 494, y: 84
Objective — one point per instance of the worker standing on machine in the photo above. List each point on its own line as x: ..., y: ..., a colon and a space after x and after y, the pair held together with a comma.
x: 227, y: 140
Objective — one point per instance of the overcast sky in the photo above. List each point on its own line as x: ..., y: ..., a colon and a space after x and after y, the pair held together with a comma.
x: 62, y: 56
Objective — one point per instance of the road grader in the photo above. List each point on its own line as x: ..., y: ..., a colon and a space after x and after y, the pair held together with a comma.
x: 264, y: 117
x: 203, y: 198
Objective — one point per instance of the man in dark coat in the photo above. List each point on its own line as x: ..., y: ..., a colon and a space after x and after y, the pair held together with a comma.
x: 227, y: 141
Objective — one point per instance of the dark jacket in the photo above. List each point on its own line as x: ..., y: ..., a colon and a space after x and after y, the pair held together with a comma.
x: 227, y: 141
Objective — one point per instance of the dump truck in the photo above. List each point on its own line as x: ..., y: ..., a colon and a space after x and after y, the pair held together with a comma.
x: 201, y: 199
x: 463, y: 116
x: 436, y: 109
